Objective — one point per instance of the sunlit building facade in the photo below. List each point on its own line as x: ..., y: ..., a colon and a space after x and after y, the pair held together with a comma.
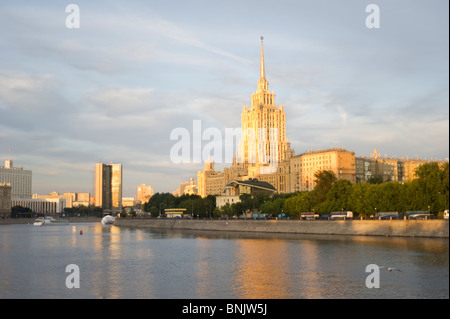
x: 144, y: 193
x: 264, y: 144
x: 304, y: 167
x: 108, y: 186
x: 264, y: 153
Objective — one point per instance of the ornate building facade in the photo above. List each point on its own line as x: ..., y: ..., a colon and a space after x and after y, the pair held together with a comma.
x: 264, y: 154
x: 264, y: 144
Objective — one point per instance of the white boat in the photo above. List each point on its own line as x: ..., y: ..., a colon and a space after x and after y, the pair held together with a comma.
x: 108, y: 220
x: 49, y: 221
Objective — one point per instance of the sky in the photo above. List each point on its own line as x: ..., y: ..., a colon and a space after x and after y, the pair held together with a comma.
x: 134, y: 71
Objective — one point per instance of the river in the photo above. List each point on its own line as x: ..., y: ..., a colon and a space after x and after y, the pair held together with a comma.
x: 118, y: 262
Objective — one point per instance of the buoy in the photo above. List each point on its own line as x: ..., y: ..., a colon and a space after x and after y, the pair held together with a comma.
x: 81, y: 232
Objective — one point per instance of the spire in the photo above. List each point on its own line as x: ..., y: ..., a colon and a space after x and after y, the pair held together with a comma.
x: 263, y: 85
x: 263, y: 73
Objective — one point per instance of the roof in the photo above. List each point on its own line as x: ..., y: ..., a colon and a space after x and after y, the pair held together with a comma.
x: 253, y: 183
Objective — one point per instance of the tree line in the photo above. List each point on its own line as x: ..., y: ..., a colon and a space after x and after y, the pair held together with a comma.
x: 428, y: 192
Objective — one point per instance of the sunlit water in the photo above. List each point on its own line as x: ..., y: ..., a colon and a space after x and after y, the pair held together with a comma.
x: 139, y: 263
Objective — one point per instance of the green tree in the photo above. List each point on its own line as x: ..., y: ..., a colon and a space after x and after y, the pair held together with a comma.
x: 301, y: 202
x: 391, y: 197
x: 360, y: 199
x: 273, y: 207
x: 324, y: 180
x: 237, y: 209
x: 161, y: 201
x: 376, y: 179
x: 154, y: 212
x: 433, y: 187
x: 226, y: 210
x: 338, y: 197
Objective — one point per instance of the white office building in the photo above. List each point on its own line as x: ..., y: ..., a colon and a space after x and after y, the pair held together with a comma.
x: 19, y: 179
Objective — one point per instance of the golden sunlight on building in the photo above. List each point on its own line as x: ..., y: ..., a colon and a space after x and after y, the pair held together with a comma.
x: 144, y: 193
x: 263, y: 124
x: 258, y: 159
x: 108, y: 186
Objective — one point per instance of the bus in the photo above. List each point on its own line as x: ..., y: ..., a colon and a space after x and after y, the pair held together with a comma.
x: 388, y: 215
x: 341, y: 215
x: 420, y: 214
x: 175, y: 212
x: 308, y: 216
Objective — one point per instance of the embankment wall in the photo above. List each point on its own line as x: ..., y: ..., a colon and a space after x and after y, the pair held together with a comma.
x: 394, y: 228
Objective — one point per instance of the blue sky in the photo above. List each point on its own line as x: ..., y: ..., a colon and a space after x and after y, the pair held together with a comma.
x: 114, y: 89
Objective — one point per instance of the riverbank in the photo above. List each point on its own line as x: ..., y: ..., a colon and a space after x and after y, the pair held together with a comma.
x: 394, y: 228
x: 11, y: 221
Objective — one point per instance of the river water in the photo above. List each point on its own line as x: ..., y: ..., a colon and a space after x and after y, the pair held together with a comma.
x: 133, y: 263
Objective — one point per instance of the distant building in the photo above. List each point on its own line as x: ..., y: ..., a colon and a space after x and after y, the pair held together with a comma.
x: 232, y: 191
x: 72, y: 199
x: 128, y: 202
x: 42, y: 206
x: 186, y: 188
x: 144, y: 193
x: 387, y: 168
x: 19, y: 178
x: 108, y: 186
x: 304, y: 167
x: 209, y: 181
x: 5, y: 200
x: 265, y: 154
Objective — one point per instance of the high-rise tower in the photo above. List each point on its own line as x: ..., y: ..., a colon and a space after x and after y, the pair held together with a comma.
x: 264, y: 142
x: 108, y: 186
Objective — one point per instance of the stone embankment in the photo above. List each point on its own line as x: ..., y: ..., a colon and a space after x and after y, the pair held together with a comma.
x: 394, y: 228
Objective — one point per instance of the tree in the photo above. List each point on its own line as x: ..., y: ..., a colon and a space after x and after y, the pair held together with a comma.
x: 19, y: 211
x: 391, y: 197
x: 324, y: 180
x: 226, y: 210
x: 433, y: 186
x: 338, y: 197
x: 154, y: 212
x: 360, y: 199
x: 160, y: 201
x: 376, y: 179
x: 273, y: 207
x: 237, y: 208
x: 301, y: 202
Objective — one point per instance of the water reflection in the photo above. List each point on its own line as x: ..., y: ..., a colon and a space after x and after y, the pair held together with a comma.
x: 262, y: 270
x: 139, y: 263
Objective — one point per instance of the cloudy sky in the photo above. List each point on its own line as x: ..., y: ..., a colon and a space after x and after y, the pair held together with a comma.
x: 115, y: 88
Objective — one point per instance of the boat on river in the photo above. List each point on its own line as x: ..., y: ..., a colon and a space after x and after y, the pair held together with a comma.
x: 108, y: 220
x: 41, y: 221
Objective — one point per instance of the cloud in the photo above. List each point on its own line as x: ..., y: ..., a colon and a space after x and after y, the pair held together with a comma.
x: 114, y: 89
